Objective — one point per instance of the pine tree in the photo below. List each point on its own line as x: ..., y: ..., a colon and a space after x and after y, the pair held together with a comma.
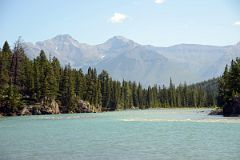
x: 155, y: 96
x: 56, y: 69
x: 149, y: 97
x: 51, y: 83
x: 12, y: 101
x: 98, y: 99
x: 105, y: 90
x: 224, y: 93
x: 140, y: 96
x: 172, y: 99
x: 80, y: 85
x: 27, y: 78
x: 5, y: 58
x: 229, y: 89
x: 165, y: 97
x: 36, y: 78
x: 90, y: 85
x: 17, y: 60
x: 135, y: 95
x: 67, y: 89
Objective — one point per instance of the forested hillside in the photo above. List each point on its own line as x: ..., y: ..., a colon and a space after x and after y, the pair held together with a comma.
x: 26, y: 83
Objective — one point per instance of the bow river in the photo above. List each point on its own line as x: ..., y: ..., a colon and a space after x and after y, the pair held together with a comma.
x: 166, y: 134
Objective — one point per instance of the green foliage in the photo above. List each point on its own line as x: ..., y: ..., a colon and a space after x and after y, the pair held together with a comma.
x: 10, y: 101
x: 229, y: 84
x: 105, y: 90
x: 41, y: 79
x: 67, y: 89
x: 5, y: 61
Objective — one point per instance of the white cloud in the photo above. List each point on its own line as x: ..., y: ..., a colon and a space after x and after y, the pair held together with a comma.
x: 159, y: 1
x: 237, y: 23
x: 118, y: 18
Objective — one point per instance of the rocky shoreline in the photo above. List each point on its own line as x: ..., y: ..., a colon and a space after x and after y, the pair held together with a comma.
x: 216, y: 111
x: 52, y: 107
x: 82, y: 107
x: 220, y: 111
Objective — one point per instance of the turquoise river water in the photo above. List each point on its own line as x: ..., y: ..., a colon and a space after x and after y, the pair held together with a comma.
x: 161, y: 134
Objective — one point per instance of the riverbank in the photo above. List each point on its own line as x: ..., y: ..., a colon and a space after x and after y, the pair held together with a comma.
x: 50, y: 107
x: 216, y: 111
x: 225, y: 112
x: 85, y: 107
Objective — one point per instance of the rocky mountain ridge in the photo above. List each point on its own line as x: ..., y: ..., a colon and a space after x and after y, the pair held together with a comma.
x: 126, y: 59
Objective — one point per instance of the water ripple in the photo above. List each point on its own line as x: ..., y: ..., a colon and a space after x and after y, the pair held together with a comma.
x: 222, y: 120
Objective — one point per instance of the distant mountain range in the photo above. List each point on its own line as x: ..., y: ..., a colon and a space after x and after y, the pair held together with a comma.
x: 126, y: 59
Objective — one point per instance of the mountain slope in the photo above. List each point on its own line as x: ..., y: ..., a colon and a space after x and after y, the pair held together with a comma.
x: 126, y: 59
x: 66, y: 49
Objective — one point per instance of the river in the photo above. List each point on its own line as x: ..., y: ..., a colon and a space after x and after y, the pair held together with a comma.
x: 166, y: 134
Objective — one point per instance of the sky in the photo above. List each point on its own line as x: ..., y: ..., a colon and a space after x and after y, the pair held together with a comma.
x: 155, y: 22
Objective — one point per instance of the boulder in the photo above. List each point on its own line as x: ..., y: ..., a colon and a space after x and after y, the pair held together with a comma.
x: 50, y: 108
x: 47, y: 107
x: 216, y: 111
x: 36, y: 112
x: 85, y: 107
x: 25, y: 111
x: 36, y: 109
x: 46, y: 110
x: 55, y: 107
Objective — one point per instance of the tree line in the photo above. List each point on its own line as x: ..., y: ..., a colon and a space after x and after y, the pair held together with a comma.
x: 26, y: 81
x: 229, y: 89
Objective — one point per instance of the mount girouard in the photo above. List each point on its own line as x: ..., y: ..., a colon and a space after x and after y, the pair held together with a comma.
x: 126, y: 59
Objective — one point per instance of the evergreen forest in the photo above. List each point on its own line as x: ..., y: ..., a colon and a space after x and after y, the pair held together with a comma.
x: 25, y: 82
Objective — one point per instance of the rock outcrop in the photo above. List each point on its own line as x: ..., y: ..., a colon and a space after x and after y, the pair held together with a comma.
x: 216, y: 111
x: 85, y: 107
x: 45, y: 107
x: 52, y: 108
x: 25, y: 111
x: 55, y: 107
x: 36, y: 109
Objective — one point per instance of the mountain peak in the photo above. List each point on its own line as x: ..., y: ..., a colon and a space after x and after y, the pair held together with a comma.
x: 63, y: 37
x: 124, y: 58
x: 119, y: 39
x: 120, y: 42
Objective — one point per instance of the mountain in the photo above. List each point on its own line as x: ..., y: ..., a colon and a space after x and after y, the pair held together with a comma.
x: 66, y: 49
x: 126, y: 59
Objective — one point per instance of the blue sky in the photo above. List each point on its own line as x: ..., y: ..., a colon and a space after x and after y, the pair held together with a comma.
x: 156, y: 22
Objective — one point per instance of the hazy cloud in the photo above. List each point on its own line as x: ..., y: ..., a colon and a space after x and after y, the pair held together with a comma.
x: 159, y: 1
x: 237, y: 23
x: 118, y: 18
